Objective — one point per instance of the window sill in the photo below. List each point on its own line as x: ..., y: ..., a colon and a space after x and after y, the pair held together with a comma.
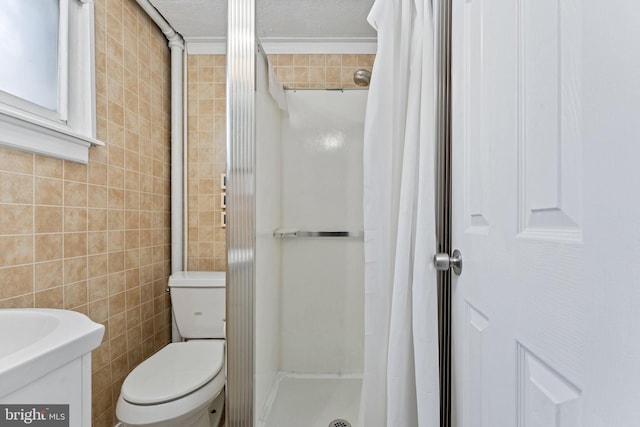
x: 28, y: 133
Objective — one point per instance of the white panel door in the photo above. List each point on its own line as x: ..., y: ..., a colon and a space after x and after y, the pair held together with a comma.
x: 546, y: 213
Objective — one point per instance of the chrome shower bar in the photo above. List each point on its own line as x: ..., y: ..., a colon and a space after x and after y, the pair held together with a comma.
x: 326, y: 89
x: 287, y: 234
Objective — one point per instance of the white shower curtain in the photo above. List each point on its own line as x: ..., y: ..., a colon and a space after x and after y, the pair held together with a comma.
x: 401, y: 382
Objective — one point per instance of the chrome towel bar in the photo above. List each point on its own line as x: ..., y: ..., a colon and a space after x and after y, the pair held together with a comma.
x: 285, y: 233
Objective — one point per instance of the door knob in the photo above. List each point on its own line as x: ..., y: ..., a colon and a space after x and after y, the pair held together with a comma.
x: 443, y: 262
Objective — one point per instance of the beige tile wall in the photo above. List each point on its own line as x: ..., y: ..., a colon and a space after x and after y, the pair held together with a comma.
x: 95, y: 238
x: 206, y: 161
x: 319, y: 71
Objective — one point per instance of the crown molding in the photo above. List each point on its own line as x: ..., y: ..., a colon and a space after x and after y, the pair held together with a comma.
x: 319, y: 45
x: 288, y: 45
x: 206, y: 45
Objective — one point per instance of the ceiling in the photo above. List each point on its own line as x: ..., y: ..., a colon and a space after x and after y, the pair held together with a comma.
x: 295, y: 19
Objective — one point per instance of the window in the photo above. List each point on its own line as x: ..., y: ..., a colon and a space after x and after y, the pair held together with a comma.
x: 47, y: 83
x: 30, y: 54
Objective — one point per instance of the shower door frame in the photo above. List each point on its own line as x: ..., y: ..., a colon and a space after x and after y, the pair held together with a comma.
x: 241, y: 163
x: 442, y: 28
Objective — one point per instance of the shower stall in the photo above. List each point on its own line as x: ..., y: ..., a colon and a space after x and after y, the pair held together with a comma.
x: 295, y: 244
x: 309, y: 290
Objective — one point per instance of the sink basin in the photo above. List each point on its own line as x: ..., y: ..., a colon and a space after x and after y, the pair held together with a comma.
x: 34, y: 342
x: 19, y: 329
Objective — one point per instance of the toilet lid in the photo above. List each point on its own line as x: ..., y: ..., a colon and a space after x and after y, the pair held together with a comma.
x: 173, y: 372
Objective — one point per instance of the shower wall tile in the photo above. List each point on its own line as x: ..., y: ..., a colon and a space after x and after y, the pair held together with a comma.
x: 95, y: 238
x: 206, y: 161
x: 319, y: 71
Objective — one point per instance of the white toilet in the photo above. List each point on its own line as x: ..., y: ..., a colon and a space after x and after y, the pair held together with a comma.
x: 177, y: 386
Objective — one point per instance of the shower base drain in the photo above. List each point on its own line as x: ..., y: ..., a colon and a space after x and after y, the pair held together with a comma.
x: 339, y: 423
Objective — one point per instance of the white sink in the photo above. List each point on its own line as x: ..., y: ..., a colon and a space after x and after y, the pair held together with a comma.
x: 34, y: 342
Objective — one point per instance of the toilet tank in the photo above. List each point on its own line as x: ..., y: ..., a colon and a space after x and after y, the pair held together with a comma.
x: 198, y: 303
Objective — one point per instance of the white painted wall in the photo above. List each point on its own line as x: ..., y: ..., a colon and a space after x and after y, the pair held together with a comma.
x: 268, y: 208
x: 322, y: 298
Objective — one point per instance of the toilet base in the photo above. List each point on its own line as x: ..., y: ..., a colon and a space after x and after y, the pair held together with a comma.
x: 216, y: 410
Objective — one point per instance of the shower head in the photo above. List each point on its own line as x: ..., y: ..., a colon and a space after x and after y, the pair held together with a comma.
x: 362, y: 77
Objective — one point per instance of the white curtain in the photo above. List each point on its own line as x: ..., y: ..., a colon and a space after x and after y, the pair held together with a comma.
x: 401, y: 382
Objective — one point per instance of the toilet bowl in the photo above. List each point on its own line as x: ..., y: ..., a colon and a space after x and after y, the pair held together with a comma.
x: 174, y: 387
x: 183, y: 383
